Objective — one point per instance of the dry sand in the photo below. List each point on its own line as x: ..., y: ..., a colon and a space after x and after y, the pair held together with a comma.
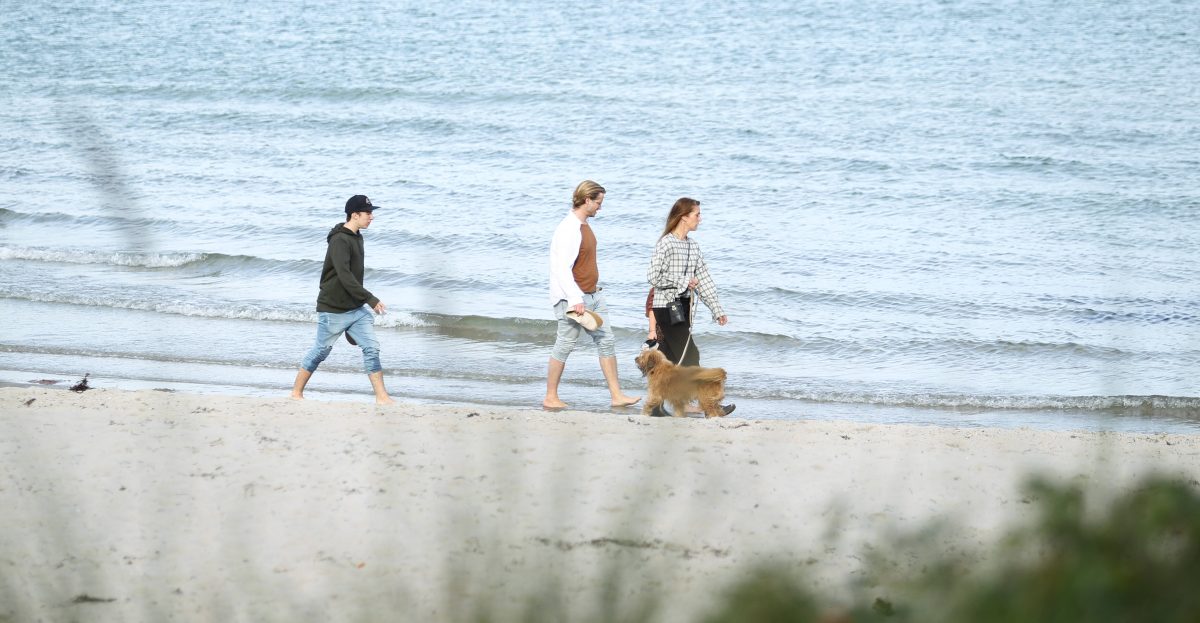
x: 155, y: 506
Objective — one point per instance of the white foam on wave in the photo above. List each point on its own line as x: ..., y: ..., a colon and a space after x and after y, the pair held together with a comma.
x: 112, y: 258
x: 229, y: 310
x: 1000, y: 402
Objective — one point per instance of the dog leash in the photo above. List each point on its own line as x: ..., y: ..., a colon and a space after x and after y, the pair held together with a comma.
x: 691, y: 315
x: 687, y: 264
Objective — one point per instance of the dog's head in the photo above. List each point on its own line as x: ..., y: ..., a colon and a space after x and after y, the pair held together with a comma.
x: 648, y: 359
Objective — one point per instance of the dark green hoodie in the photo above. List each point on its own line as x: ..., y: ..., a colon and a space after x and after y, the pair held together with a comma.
x: 342, y: 275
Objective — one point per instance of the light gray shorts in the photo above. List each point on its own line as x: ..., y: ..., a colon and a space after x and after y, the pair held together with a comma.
x: 569, y: 331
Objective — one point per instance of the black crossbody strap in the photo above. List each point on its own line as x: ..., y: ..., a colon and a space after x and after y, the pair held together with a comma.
x: 687, y: 263
x: 691, y: 305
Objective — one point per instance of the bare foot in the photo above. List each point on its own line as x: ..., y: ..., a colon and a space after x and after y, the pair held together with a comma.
x: 297, y: 396
x: 553, y: 403
x: 625, y: 401
x: 386, y: 400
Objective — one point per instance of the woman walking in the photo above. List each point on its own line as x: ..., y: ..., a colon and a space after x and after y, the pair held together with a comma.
x: 678, y: 275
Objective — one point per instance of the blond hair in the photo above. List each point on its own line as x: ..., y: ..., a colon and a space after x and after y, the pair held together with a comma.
x: 587, y: 189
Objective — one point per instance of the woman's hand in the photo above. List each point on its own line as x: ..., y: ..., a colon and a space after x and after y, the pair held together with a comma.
x: 692, y: 283
x: 652, y: 334
x: 722, y: 320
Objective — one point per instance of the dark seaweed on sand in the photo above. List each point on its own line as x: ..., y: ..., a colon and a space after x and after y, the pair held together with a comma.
x: 82, y: 385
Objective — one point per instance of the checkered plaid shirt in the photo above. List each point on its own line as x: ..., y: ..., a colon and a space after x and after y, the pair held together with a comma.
x: 675, y: 263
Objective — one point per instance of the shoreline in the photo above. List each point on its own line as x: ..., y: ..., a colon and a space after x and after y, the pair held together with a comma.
x: 152, y: 497
x: 592, y: 398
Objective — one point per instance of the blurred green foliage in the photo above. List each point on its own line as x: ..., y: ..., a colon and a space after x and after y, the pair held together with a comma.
x: 1139, y: 560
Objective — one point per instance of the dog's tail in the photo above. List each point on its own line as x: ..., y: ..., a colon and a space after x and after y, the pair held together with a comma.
x: 706, y: 375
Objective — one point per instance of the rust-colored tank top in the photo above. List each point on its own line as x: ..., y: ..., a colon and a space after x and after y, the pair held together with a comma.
x: 587, y: 275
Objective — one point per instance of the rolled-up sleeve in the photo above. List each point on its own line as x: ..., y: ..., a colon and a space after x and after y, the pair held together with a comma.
x: 706, y: 287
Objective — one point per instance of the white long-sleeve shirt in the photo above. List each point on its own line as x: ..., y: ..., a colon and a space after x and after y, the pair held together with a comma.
x: 564, y: 249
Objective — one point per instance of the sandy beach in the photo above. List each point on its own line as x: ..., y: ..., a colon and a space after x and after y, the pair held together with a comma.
x: 151, y: 505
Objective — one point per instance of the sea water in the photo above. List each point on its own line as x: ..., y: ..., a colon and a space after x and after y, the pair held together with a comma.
x: 955, y: 213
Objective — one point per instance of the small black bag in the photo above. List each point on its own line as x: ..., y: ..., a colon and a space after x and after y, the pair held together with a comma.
x: 675, y: 310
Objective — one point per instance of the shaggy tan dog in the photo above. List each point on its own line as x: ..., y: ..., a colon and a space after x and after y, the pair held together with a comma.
x: 676, y: 385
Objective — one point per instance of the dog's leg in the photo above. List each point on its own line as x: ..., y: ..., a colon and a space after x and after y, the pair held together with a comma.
x: 652, y: 403
x: 710, y: 400
x: 679, y: 408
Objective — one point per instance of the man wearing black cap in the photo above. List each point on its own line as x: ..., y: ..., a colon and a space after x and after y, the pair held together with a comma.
x: 344, y: 305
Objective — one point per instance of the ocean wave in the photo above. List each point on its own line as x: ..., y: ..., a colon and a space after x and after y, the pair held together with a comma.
x: 1090, y: 310
x: 310, y: 235
x: 209, y: 309
x: 230, y: 266
x: 782, y: 341
x: 483, y: 328
x: 1152, y: 404
x: 490, y: 375
x: 1140, y: 310
x: 192, y: 261
x: 119, y: 354
x: 304, y: 93
x: 12, y: 216
x: 125, y: 220
x: 113, y: 258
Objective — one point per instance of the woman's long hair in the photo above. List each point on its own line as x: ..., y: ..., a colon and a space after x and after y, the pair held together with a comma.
x: 683, y: 207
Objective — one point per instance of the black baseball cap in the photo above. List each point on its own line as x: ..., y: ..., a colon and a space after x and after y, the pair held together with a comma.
x: 359, y: 203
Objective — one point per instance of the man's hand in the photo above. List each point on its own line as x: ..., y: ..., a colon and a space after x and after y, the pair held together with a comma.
x: 692, y: 283
x: 380, y: 308
x: 722, y: 320
x: 578, y: 309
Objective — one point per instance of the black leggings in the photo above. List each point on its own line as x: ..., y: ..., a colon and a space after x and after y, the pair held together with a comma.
x: 672, y: 338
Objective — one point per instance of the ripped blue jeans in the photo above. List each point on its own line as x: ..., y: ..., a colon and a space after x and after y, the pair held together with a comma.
x: 359, y: 323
